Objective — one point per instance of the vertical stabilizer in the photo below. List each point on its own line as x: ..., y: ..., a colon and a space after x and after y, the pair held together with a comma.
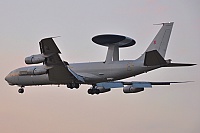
x: 160, y: 42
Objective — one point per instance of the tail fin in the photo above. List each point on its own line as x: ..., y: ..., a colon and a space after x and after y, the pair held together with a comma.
x: 155, y: 53
x: 160, y: 42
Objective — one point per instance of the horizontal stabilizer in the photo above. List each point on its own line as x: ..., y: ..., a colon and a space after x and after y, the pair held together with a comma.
x: 178, y: 65
x: 153, y: 58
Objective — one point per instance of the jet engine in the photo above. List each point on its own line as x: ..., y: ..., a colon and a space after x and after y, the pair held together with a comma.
x: 33, y: 71
x: 130, y: 89
x: 35, y: 59
x: 97, y: 90
x: 103, y: 90
x: 36, y: 71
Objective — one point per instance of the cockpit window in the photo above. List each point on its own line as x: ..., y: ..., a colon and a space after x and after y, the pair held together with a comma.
x: 23, y: 73
x: 14, y: 73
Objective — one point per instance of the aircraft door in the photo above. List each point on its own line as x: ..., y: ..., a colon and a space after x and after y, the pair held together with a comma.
x: 129, y: 66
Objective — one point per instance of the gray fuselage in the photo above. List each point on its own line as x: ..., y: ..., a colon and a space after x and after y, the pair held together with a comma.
x: 93, y: 72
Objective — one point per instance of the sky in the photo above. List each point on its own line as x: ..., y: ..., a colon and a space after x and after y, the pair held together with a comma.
x: 50, y: 109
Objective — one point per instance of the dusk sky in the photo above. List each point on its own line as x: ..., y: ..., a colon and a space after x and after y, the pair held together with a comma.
x: 53, y: 109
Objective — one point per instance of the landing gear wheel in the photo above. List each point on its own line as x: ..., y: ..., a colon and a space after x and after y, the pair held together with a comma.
x: 96, y: 91
x: 21, y: 90
x: 93, y: 91
x: 73, y: 85
x: 70, y: 86
x: 90, y: 91
x: 76, y: 86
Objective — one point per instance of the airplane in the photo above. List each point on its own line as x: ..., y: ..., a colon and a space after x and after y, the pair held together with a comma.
x: 102, y: 76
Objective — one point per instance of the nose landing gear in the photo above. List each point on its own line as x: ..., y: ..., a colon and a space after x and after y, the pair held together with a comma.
x: 21, y: 90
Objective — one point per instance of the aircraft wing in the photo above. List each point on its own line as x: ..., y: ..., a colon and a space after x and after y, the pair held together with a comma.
x: 135, y: 84
x: 59, y: 72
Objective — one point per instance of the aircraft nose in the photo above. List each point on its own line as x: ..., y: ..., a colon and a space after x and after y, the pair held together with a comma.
x: 7, y: 78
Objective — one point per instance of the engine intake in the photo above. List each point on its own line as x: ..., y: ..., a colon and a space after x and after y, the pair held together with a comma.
x: 35, y: 59
x: 130, y: 89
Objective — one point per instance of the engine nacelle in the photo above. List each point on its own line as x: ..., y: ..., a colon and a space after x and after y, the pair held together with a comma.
x: 35, y: 59
x: 130, y: 89
x: 36, y: 71
x: 33, y: 71
x: 103, y: 90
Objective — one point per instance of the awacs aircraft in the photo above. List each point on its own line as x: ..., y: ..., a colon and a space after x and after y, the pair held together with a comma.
x: 102, y: 76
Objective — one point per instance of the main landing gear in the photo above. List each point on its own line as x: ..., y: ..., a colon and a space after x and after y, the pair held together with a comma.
x: 73, y: 85
x: 93, y: 91
x: 21, y: 90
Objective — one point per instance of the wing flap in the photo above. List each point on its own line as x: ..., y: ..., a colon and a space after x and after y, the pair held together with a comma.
x: 141, y: 85
x: 80, y: 78
x: 60, y: 74
x: 108, y: 85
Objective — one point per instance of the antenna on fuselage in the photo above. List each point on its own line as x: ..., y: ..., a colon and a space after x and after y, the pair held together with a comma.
x: 113, y: 42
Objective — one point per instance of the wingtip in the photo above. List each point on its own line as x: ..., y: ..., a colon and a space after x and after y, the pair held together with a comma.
x: 164, y: 23
x: 55, y: 36
x: 50, y: 37
x: 192, y: 64
x: 187, y: 81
